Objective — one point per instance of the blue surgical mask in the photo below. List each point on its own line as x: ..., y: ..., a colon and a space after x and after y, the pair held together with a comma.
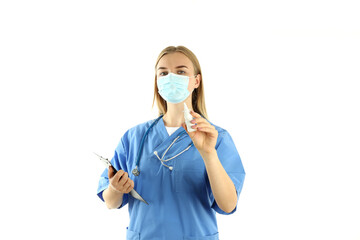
x: 173, y: 88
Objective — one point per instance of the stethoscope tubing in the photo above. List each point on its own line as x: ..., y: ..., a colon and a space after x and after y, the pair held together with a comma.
x: 143, y: 140
x: 136, y: 171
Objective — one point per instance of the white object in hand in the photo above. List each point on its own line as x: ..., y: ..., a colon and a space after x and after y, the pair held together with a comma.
x: 188, y: 117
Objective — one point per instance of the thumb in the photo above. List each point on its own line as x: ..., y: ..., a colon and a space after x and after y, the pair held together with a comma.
x: 111, y: 172
x: 185, y: 127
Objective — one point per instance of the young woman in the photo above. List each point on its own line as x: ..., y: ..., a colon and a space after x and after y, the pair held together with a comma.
x: 184, y: 176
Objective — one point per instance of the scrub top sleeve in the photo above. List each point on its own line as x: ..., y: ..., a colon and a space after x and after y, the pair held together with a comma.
x: 231, y: 161
x: 119, y: 162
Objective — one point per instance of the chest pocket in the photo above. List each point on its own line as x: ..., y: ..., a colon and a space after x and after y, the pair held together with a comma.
x: 190, y: 173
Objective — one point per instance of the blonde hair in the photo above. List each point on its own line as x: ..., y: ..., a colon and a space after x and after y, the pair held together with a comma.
x: 198, y: 98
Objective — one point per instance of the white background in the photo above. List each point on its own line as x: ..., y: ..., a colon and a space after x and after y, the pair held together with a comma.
x: 281, y: 76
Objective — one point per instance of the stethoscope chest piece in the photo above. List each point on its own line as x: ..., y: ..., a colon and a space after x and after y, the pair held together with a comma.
x: 136, y: 172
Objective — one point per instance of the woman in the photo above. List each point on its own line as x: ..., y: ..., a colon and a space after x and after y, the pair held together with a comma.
x: 186, y: 177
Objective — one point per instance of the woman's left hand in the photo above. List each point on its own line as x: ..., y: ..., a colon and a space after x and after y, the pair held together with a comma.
x: 205, y: 136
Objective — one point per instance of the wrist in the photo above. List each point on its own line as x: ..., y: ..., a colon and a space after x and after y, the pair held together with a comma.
x: 208, y: 153
x: 113, y: 190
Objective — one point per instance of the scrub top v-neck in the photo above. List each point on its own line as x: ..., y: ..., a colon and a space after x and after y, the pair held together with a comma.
x: 171, y: 130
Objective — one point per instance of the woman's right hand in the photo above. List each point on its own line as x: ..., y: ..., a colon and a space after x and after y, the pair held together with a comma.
x: 120, y: 181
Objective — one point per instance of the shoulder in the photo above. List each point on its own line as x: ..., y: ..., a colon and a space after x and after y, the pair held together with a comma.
x: 134, y: 133
x: 223, y: 135
x: 221, y: 131
x: 137, y: 130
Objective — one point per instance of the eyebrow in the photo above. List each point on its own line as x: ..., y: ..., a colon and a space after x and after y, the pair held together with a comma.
x: 181, y: 66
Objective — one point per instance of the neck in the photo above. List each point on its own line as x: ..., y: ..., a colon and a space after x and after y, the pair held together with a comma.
x: 174, y: 116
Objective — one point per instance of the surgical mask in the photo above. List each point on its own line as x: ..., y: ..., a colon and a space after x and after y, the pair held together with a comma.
x: 173, y: 88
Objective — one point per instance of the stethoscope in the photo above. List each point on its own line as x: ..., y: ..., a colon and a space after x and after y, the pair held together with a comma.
x: 136, y: 170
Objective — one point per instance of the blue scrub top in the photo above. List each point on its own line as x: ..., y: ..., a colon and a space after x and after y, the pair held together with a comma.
x: 181, y: 203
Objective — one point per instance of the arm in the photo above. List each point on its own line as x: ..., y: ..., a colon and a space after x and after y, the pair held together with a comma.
x: 205, y: 139
x: 119, y: 183
x: 112, y: 198
x: 221, y: 185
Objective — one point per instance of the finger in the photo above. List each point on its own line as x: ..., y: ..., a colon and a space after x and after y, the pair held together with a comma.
x: 123, y: 179
x: 128, y: 183
x: 118, y: 175
x: 187, y: 130
x: 120, y: 187
x: 130, y: 187
x: 204, y: 125
x: 194, y: 114
x: 111, y: 172
x: 206, y: 129
x: 127, y: 190
x: 199, y: 120
x: 184, y: 126
x: 125, y: 186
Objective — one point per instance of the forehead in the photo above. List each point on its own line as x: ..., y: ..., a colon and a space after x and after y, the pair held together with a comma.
x: 174, y: 59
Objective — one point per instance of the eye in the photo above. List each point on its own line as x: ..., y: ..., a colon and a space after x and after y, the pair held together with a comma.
x: 163, y: 74
x: 181, y: 72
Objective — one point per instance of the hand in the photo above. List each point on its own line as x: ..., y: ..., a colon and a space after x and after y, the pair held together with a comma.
x: 205, y: 136
x: 120, y: 181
